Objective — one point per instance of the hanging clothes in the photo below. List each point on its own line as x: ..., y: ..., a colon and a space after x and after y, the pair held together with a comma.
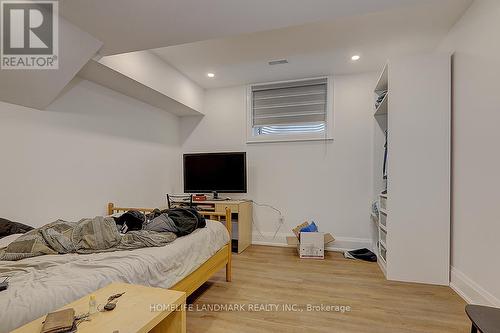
x: 384, y: 170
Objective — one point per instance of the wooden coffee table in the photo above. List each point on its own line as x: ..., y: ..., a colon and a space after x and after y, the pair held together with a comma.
x: 141, y: 309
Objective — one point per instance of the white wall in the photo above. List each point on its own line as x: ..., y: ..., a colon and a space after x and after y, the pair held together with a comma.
x: 476, y: 156
x: 329, y: 183
x: 92, y: 145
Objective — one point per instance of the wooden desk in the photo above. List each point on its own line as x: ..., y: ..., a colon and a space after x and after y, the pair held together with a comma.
x: 242, y: 216
x: 138, y: 310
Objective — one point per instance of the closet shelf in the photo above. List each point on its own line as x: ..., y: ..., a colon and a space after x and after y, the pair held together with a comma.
x: 382, y: 108
x: 383, y: 80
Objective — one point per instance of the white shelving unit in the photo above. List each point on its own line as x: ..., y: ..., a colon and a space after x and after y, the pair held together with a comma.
x: 382, y: 235
x: 413, y: 224
x: 380, y: 114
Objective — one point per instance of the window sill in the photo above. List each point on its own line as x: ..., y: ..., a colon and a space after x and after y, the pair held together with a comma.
x: 276, y: 140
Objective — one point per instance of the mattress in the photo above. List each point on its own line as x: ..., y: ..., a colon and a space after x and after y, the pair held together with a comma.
x: 42, y: 284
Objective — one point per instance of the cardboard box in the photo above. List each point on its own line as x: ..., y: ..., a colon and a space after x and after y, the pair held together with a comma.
x: 309, y: 244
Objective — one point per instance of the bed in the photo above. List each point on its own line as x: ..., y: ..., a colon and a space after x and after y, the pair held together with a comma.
x: 42, y: 284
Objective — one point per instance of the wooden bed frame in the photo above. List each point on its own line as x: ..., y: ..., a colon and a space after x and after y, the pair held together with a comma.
x: 201, y: 275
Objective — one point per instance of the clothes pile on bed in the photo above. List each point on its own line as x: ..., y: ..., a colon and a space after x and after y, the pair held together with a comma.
x: 180, y: 221
x: 102, y: 234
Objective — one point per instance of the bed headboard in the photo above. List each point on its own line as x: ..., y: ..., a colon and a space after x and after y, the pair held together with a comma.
x: 112, y: 209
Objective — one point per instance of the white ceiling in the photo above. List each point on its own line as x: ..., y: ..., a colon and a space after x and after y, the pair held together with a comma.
x: 318, y: 48
x: 131, y: 25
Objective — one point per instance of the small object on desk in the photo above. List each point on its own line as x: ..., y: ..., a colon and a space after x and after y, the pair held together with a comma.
x: 92, y: 305
x: 115, y: 296
x: 199, y: 197
x: 81, y: 318
x: 59, y: 322
x: 110, y: 306
x: 484, y: 319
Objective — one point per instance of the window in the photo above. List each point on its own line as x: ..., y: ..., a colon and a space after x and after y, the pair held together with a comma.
x: 290, y: 111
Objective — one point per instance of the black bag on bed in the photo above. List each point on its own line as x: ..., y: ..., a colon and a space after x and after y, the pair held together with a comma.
x: 186, y: 219
x: 9, y: 228
x: 131, y: 220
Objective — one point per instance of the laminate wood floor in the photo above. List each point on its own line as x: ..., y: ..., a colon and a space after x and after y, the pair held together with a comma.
x: 276, y: 275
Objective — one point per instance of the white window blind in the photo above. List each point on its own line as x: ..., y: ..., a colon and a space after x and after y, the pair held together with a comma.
x: 290, y: 107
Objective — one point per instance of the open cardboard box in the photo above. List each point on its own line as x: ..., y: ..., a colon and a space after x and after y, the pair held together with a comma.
x: 309, y: 244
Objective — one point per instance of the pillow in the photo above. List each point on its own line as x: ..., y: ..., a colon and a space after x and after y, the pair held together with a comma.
x: 9, y: 228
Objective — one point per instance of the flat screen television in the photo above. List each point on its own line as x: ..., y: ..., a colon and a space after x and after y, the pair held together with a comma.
x: 215, y: 172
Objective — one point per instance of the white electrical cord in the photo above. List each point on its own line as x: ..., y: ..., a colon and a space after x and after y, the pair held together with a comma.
x: 273, y: 208
x: 269, y: 206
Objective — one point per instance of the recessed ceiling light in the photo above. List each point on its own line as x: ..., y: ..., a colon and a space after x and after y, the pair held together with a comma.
x: 355, y: 57
x: 211, y: 75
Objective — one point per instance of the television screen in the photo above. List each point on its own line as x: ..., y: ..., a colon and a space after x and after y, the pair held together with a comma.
x: 221, y: 172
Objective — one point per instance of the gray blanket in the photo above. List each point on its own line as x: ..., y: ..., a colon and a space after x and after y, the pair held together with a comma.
x: 86, y: 236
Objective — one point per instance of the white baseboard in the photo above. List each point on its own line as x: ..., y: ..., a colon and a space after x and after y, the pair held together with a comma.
x: 340, y: 244
x: 269, y: 244
x: 470, y: 291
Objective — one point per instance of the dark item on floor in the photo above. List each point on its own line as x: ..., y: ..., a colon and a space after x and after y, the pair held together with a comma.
x: 484, y: 319
x: 361, y: 254
x: 9, y: 228
x: 59, y: 321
